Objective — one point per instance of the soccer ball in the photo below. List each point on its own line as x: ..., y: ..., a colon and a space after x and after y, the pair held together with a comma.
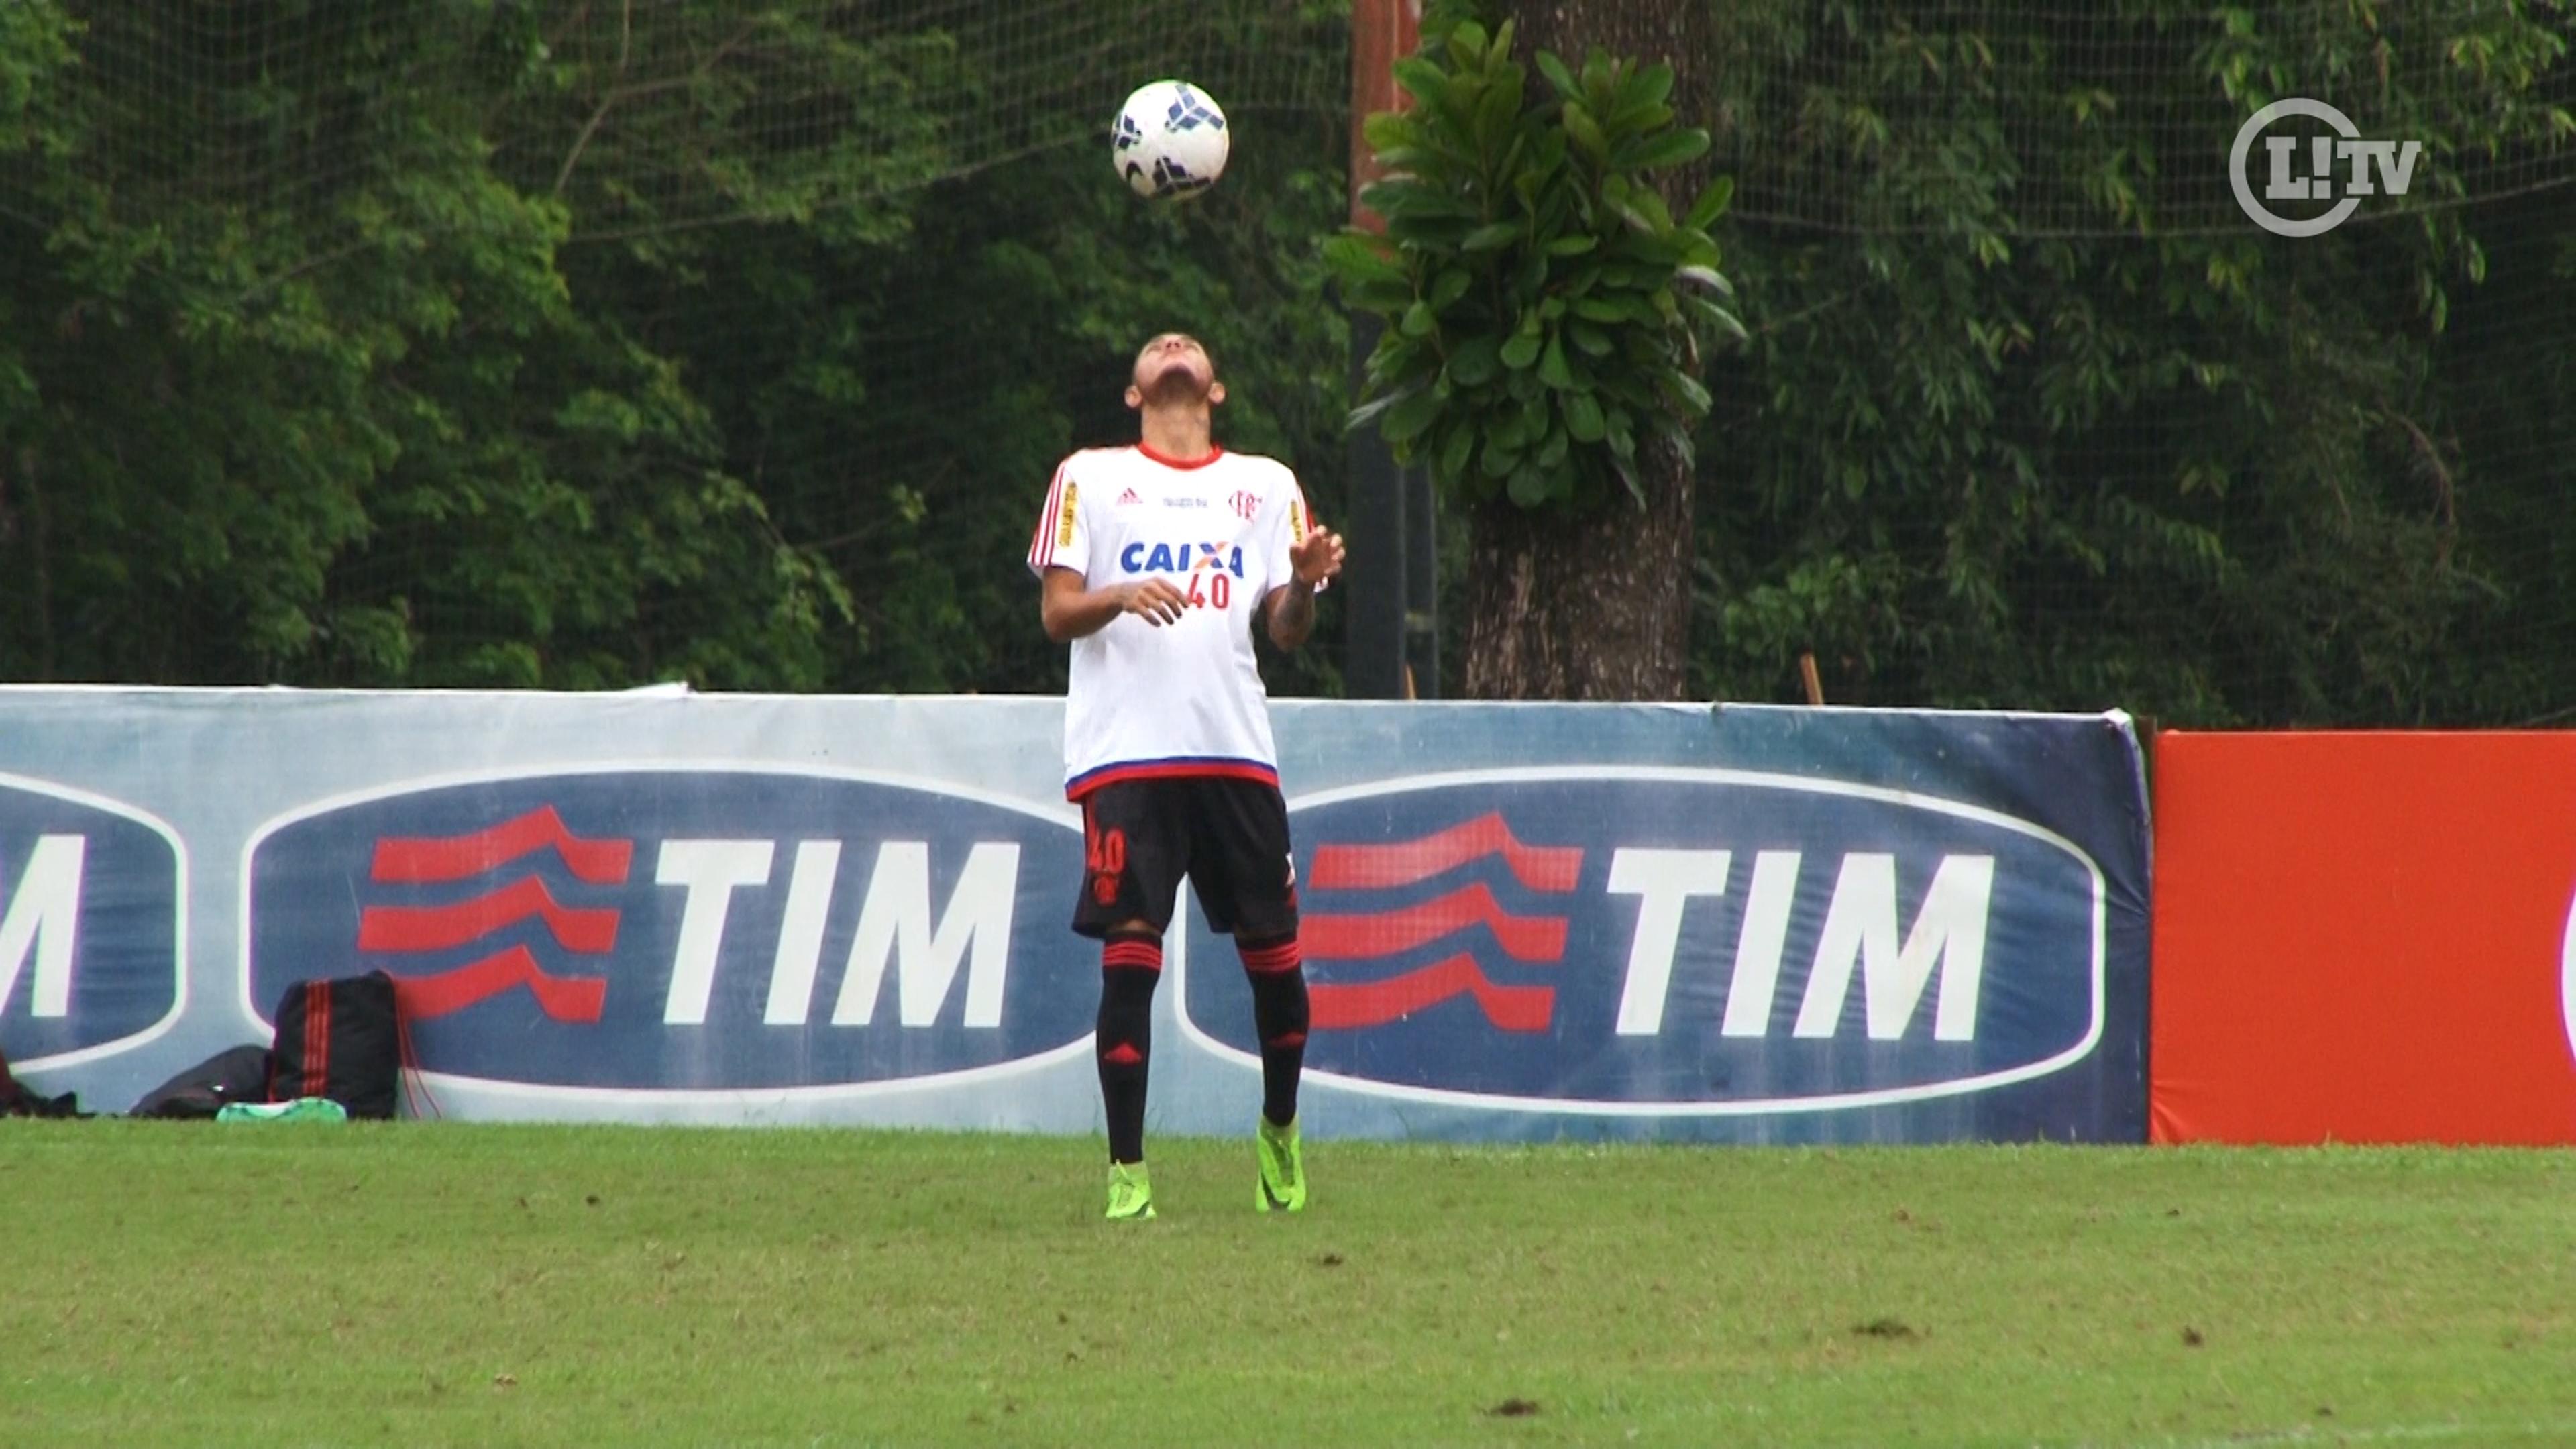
x: 1170, y: 140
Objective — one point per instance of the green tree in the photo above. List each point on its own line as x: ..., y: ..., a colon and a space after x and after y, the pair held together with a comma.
x: 1541, y: 350
x: 2033, y: 418
x: 305, y: 391
x: 542, y: 342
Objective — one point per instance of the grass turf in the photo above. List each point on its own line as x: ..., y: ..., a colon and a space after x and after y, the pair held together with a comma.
x: 453, y: 1284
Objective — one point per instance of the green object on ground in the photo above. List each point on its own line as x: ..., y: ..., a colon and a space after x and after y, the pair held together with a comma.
x: 302, y: 1109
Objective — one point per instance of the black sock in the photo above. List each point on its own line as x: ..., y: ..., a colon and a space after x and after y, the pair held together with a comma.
x: 1130, y: 965
x: 1279, y: 1014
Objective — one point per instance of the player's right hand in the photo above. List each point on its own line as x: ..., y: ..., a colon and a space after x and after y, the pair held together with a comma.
x: 1155, y: 601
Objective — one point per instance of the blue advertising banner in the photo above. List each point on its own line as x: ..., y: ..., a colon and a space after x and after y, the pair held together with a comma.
x: 91, y: 932
x: 1521, y: 922
x: 627, y: 930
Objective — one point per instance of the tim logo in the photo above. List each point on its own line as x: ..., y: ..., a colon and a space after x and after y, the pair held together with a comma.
x: 1448, y: 918
x: 1676, y: 941
x: 682, y: 928
x: 404, y: 933
x: 92, y: 902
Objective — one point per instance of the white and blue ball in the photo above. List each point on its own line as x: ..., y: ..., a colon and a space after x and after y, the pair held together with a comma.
x: 1170, y: 140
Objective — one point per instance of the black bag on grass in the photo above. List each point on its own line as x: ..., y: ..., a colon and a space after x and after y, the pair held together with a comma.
x: 17, y: 1101
x: 236, y: 1074
x: 340, y: 1039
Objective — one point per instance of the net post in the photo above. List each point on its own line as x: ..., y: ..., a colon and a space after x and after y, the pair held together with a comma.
x: 1382, y: 554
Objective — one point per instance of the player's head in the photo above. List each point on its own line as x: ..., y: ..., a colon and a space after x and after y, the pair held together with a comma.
x: 1174, y: 369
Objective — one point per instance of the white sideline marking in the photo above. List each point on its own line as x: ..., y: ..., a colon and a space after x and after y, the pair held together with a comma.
x: 2556, y: 1431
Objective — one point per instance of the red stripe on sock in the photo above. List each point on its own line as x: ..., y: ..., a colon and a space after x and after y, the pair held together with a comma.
x: 1286, y: 1039
x: 1270, y: 960
x: 1145, y: 954
x: 1124, y: 1054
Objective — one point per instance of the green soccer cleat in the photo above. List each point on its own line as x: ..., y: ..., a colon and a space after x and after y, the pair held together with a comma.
x: 1131, y: 1193
x: 1283, y: 1168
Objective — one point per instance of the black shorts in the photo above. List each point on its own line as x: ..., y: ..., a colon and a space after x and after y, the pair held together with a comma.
x: 1229, y: 836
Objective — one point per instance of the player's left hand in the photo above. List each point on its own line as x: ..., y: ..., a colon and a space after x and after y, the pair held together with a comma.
x: 1318, y: 558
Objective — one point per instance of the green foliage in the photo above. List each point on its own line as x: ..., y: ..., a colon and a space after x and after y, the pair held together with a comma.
x: 35, y: 48
x: 529, y: 342
x: 307, y: 392
x: 2039, y: 421
x: 904, y: 409
x: 523, y: 343
x: 1542, y: 302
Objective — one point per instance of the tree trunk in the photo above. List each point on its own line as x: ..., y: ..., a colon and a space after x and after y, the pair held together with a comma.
x: 1599, y: 607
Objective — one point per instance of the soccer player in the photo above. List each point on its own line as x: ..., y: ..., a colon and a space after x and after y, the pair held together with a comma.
x: 1155, y: 563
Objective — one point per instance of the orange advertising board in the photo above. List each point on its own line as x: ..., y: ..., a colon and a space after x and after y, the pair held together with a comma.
x: 2364, y: 938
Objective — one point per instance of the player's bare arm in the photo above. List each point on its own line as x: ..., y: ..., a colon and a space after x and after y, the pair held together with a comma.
x: 1292, y: 605
x: 1071, y: 611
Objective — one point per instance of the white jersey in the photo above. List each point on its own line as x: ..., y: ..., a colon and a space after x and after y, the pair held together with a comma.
x: 1183, y: 698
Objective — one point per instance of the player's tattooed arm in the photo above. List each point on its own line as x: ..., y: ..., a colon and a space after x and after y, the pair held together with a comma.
x: 1292, y: 614
x: 1292, y: 605
x: 1070, y: 611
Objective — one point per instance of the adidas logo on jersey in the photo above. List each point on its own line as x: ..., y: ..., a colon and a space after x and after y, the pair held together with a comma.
x: 1129, y: 499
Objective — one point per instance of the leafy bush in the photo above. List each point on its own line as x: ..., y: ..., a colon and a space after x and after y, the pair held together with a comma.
x: 1544, y: 306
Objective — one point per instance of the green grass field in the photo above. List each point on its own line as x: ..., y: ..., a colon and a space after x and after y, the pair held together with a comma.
x: 445, y: 1284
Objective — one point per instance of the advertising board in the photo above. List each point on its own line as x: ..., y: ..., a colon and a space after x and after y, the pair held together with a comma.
x: 1521, y: 921
x: 2365, y: 938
